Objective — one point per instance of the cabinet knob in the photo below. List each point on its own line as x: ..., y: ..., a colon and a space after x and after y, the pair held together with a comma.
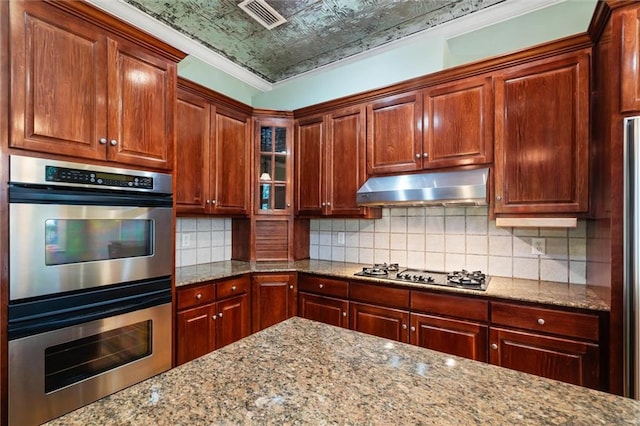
x: 494, y: 346
x: 233, y: 288
x: 103, y: 141
x: 321, y: 285
x: 404, y: 326
x: 220, y: 314
x: 417, y: 155
x: 413, y: 328
x: 498, y: 197
x: 288, y: 204
x: 213, y: 202
x: 425, y: 155
x: 324, y: 204
x: 541, y: 321
x: 328, y: 203
x: 214, y: 317
x: 291, y: 287
x: 199, y: 296
x: 344, y: 314
x: 207, y: 202
x: 113, y: 142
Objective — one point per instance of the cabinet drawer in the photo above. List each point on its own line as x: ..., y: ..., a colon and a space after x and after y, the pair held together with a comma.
x: 322, y: 285
x: 453, y: 306
x: 572, y: 324
x: 233, y: 287
x: 379, y: 295
x: 194, y: 296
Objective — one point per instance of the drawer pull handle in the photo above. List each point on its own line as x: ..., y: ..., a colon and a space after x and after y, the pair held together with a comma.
x: 233, y: 288
x: 494, y: 346
x: 199, y: 296
x: 321, y: 285
x: 541, y: 321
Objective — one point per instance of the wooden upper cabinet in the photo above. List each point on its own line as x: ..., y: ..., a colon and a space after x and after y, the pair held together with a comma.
x: 627, y: 24
x: 394, y: 134
x: 230, y: 152
x: 310, y: 140
x: 542, y: 136
x: 273, y: 178
x: 80, y: 91
x: 192, y: 154
x: 458, y: 123
x: 212, y: 156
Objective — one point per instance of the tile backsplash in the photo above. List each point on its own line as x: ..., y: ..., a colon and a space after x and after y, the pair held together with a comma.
x: 202, y: 240
x: 446, y: 239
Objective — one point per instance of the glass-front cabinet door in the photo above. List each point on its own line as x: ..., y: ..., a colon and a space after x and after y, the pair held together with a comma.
x: 273, y: 170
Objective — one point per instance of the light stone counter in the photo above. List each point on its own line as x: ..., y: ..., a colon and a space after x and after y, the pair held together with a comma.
x: 304, y: 372
x: 552, y: 293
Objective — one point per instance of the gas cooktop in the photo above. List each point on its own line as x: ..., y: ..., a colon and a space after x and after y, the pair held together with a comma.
x: 473, y: 280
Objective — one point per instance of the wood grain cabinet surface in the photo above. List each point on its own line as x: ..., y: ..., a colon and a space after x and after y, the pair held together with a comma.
x: 542, y: 136
x: 323, y: 299
x: 627, y: 23
x: 330, y: 164
x: 210, y: 316
x: 550, y: 343
x: 274, y: 299
x: 100, y: 96
x: 213, y: 155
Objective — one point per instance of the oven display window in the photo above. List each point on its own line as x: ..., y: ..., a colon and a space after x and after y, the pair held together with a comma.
x: 86, y: 240
x: 80, y: 359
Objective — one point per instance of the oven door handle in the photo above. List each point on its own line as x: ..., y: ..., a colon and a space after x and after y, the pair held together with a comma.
x: 37, y: 325
x: 47, y: 195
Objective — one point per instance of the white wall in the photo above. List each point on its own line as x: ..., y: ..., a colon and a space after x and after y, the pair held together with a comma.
x: 209, y: 240
x: 451, y: 239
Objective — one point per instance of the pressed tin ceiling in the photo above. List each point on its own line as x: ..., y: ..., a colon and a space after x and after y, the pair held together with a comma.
x: 317, y: 32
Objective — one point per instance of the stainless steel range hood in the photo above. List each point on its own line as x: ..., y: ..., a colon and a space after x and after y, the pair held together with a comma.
x: 460, y: 187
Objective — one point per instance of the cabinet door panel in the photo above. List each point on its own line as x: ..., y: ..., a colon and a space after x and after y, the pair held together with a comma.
x: 394, y: 134
x: 58, y: 89
x: 542, y: 136
x: 232, y: 164
x: 274, y: 299
x: 382, y: 322
x: 630, y: 60
x: 345, y: 171
x: 141, y: 106
x: 461, y: 338
x: 232, y: 320
x: 560, y: 359
x: 309, y: 164
x: 458, y: 123
x: 192, y: 154
x: 195, y: 334
x: 324, y: 309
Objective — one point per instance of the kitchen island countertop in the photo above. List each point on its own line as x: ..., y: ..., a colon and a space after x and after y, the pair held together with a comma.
x: 516, y: 289
x: 304, y: 372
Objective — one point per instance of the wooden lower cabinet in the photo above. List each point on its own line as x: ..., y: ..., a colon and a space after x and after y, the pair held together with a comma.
x: 274, y: 299
x: 203, y: 325
x: 555, y: 358
x: 380, y: 321
x: 324, y: 309
x: 462, y: 338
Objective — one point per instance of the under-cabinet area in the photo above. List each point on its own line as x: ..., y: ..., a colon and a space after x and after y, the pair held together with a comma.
x: 516, y: 329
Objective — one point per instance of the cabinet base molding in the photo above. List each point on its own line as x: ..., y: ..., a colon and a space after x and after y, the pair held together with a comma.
x: 537, y: 222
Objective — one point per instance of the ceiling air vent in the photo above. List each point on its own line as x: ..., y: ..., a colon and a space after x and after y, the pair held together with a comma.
x: 263, y: 13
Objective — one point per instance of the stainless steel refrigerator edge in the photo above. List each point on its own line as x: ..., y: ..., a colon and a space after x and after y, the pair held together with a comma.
x: 631, y: 255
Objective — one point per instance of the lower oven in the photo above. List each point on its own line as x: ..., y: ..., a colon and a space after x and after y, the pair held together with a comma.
x: 90, y: 283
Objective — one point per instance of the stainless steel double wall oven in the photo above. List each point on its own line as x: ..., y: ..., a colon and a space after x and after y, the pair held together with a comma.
x: 89, y: 313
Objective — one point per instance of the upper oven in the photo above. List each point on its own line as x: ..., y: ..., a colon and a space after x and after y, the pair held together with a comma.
x: 76, y: 226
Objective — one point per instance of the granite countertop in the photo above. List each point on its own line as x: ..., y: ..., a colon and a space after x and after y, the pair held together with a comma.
x: 552, y: 293
x: 305, y: 372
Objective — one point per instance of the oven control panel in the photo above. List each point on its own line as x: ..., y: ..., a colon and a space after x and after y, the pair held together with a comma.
x: 98, y: 178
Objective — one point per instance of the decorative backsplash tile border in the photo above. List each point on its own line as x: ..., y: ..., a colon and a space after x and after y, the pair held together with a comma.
x: 447, y: 239
x: 202, y: 240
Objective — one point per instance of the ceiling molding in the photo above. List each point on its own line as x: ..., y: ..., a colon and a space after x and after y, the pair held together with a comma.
x: 141, y: 20
x: 469, y: 23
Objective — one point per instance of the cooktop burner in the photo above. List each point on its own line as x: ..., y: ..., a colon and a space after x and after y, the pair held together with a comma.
x: 474, y: 280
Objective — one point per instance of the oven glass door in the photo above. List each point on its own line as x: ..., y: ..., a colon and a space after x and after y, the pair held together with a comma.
x: 56, y: 248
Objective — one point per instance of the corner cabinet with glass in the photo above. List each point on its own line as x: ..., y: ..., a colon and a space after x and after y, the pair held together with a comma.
x: 274, y: 168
